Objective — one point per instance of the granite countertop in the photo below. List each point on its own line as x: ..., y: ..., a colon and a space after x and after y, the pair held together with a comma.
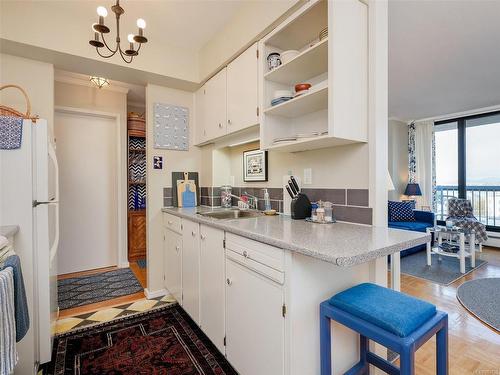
x: 343, y: 244
x: 8, y: 230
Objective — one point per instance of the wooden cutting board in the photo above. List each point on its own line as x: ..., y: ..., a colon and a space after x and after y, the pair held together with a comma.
x: 186, y: 192
x: 176, y: 176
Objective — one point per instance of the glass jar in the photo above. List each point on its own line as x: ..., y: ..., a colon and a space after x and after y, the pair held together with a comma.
x: 225, y: 196
x: 328, y: 206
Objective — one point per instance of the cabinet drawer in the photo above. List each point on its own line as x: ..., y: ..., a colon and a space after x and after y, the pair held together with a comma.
x: 261, y: 269
x: 267, y: 255
x: 172, y: 222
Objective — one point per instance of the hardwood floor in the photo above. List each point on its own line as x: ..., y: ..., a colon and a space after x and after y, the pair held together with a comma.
x: 140, y: 273
x: 474, y: 348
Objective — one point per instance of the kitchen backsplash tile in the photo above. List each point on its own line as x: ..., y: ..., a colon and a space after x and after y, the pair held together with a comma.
x: 336, y: 196
x: 353, y: 214
x: 357, y: 197
x: 349, y: 204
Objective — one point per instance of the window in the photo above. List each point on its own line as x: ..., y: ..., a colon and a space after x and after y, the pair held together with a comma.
x: 468, y: 165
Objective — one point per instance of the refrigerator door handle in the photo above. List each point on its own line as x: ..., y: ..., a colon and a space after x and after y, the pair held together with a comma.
x: 53, y: 157
x: 37, y: 203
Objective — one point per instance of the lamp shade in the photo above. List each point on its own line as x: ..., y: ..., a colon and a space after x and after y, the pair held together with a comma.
x: 390, y: 184
x: 413, y: 189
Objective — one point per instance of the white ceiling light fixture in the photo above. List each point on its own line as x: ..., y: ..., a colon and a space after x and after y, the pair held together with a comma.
x: 100, y: 29
x: 100, y: 82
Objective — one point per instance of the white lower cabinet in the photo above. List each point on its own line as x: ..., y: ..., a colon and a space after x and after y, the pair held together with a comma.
x: 212, y: 284
x: 191, y: 269
x: 255, y: 325
x: 172, y: 263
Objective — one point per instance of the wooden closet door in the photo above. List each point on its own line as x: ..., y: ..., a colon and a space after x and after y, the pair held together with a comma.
x: 136, y: 235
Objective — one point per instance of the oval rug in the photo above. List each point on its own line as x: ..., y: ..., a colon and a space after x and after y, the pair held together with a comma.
x: 482, y: 298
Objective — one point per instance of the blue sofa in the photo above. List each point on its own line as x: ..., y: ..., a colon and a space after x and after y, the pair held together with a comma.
x: 423, y: 220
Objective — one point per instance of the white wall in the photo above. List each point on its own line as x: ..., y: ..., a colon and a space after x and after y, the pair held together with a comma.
x: 398, y: 157
x: 113, y: 102
x: 157, y: 179
x: 331, y: 167
x: 36, y: 78
x: 245, y: 26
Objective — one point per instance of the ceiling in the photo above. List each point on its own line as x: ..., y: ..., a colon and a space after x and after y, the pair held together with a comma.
x: 444, y: 57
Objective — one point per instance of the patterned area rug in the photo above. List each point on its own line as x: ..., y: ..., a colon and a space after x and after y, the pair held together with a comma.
x: 442, y: 272
x: 163, y: 341
x: 482, y: 298
x: 79, y: 291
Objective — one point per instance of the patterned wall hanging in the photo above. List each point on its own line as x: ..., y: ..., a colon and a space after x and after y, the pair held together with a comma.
x: 171, y: 127
x: 412, y: 160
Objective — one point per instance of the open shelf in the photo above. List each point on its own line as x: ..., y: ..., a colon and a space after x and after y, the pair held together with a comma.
x: 313, y: 101
x: 305, y: 144
x: 310, y: 63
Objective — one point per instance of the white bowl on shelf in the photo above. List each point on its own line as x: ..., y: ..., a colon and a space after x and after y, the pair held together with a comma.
x: 286, y: 56
x: 282, y: 94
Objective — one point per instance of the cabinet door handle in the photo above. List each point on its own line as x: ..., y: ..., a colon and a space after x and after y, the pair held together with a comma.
x: 229, y: 281
x: 245, y: 254
x: 193, y: 233
x: 220, y: 125
x: 177, y: 248
x: 229, y: 122
x: 202, y: 236
x: 170, y: 222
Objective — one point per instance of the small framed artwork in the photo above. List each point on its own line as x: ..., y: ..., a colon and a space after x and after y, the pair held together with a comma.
x: 255, y: 165
x: 157, y: 162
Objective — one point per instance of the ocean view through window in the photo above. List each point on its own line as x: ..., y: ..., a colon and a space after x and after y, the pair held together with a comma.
x: 468, y: 165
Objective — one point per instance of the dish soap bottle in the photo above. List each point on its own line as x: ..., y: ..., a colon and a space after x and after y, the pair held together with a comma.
x: 267, y: 201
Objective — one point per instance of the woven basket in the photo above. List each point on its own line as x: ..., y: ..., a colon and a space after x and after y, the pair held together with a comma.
x: 8, y: 111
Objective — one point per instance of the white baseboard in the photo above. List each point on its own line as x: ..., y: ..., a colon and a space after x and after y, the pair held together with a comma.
x: 124, y: 265
x: 156, y: 293
x: 493, y: 239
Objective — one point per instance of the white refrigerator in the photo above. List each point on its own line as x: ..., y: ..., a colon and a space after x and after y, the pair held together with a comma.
x: 29, y: 192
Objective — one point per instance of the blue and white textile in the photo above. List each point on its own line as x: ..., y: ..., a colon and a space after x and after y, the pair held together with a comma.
x: 460, y: 212
x: 20, y: 302
x: 8, y: 354
x: 11, y: 132
x: 400, y: 211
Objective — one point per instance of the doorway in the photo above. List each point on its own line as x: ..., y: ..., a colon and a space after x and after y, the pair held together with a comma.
x: 87, y: 151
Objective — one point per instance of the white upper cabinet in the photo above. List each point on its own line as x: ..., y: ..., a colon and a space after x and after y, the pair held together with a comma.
x: 242, y: 91
x: 200, y: 133
x: 215, y: 106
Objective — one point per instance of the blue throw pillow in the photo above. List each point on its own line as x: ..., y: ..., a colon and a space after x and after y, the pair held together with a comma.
x: 400, y: 211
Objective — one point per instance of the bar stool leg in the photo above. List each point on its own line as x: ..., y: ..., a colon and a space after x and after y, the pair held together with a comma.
x: 407, y: 362
x: 442, y: 349
x: 325, y: 344
x: 364, y: 347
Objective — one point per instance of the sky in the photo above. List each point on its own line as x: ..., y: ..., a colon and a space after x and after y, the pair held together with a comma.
x: 483, y: 156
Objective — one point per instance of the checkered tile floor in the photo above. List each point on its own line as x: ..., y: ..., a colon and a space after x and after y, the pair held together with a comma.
x: 105, y: 315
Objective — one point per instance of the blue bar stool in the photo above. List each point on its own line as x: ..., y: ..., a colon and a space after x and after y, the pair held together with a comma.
x: 395, y: 320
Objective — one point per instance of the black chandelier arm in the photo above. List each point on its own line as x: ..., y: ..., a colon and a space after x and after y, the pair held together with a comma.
x: 106, y: 44
x: 100, y: 54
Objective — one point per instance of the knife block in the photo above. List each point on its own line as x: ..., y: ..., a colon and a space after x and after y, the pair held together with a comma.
x: 300, y: 207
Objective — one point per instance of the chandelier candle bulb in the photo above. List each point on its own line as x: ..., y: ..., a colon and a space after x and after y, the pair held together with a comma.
x: 141, y: 24
x: 102, y: 12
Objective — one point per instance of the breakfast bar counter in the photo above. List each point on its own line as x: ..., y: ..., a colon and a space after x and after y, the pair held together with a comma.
x: 341, y: 243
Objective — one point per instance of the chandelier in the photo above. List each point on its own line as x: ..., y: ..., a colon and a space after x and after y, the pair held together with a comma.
x: 100, y: 29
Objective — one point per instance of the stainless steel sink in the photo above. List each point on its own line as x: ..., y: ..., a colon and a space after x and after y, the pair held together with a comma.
x: 231, y: 214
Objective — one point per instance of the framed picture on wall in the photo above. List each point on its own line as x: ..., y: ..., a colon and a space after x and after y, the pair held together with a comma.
x: 254, y: 165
